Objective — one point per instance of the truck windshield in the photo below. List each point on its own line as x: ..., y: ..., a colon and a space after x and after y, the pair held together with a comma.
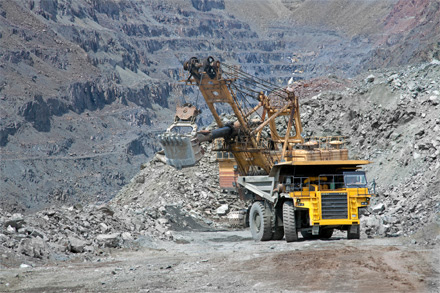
x: 355, y: 180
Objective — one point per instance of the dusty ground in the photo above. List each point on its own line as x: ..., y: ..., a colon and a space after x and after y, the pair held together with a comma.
x: 230, y: 261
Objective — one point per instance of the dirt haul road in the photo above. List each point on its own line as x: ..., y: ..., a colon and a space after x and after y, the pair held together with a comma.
x: 230, y: 261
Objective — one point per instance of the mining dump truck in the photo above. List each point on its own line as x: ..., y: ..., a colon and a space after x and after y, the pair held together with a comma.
x: 294, y: 184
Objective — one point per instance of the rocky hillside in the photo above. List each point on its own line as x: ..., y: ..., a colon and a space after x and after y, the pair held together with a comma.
x: 393, y: 119
x: 86, y: 85
x: 411, y: 34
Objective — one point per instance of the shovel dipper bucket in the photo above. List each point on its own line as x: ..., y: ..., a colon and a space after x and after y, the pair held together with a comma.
x: 181, y: 150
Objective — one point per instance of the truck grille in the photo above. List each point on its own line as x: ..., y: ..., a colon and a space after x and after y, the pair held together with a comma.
x: 334, y: 205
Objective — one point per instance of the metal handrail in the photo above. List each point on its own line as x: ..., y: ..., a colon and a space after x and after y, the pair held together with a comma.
x: 324, y: 182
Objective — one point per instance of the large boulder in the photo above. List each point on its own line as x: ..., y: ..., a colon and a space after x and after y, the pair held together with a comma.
x: 222, y: 210
x: 34, y: 247
x: 77, y: 245
x: 16, y: 221
x: 109, y: 240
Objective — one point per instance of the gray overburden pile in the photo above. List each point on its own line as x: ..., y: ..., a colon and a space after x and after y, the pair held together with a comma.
x: 194, y: 189
x: 157, y: 201
x: 67, y: 232
x: 392, y: 118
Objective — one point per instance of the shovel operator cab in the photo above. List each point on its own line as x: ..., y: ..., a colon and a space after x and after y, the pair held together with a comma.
x: 294, y: 184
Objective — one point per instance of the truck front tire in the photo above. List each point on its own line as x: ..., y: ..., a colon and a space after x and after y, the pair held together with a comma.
x: 278, y: 234
x: 259, y: 222
x: 354, y: 232
x: 289, y: 222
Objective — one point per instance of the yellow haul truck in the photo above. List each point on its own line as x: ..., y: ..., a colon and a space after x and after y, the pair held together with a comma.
x: 295, y: 184
x: 312, y: 198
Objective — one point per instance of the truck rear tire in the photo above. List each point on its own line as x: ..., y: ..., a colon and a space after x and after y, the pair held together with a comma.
x: 307, y: 235
x: 278, y: 234
x: 289, y: 222
x: 354, y: 232
x: 259, y: 222
x: 323, y: 234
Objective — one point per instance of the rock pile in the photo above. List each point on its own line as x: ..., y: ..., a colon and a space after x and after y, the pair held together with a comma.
x: 76, y: 231
x: 194, y: 189
x: 393, y: 119
x: 158, y: 200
